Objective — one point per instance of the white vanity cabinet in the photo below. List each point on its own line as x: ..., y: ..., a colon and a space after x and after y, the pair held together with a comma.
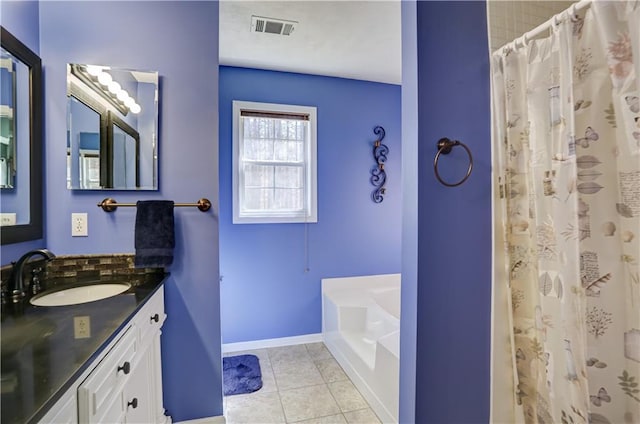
x: 145, y: 388
x: 124, y: 385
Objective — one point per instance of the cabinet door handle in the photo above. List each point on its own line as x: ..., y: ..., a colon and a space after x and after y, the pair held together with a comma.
x: 155, y: 318
x: 133, y: 403
x: 126, y: 368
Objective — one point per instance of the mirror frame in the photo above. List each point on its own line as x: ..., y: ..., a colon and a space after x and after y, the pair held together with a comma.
x: 32, y: 230
x: 107, y: 171
x: 90, y: 103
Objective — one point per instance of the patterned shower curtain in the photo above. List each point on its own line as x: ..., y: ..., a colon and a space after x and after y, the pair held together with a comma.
x: 566, y: 140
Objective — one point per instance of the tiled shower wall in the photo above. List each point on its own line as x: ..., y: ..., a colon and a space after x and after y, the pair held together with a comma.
x: 511, y: 19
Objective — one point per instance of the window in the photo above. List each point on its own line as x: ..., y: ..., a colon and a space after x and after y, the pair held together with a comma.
x: 89, y: 169
x: 274, y: 163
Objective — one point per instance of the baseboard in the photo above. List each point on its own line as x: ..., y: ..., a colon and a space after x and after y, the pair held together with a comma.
x: 266, y: 343
x: 208, y: 420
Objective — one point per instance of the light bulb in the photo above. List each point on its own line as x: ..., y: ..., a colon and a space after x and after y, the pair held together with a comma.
x: 104, y: 78
x: 122, y: 95
x: 129, y: 102
x: 135, y: 108
x: 94, y: 70
x: 114, y: 87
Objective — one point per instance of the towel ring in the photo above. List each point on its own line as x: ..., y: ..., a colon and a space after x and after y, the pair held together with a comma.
x: 444, y: 148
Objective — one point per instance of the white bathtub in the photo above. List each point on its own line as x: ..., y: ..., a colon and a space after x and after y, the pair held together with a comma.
x: 361, y: 328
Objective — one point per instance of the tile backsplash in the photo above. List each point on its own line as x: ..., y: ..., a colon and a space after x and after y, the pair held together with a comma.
x: 82, y: 267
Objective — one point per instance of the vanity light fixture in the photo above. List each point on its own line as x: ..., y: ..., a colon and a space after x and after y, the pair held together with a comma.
x: 123, y: 96
x: 94, y: 70
x: 99, y: 80
x: 104, y: 78
x: 114, y: 87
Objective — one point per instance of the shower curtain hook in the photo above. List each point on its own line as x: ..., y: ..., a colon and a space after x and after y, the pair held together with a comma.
x: 556, y: 19
x: 572, y: 11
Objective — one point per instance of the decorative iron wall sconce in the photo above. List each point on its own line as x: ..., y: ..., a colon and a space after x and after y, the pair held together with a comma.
x: 378, y: 174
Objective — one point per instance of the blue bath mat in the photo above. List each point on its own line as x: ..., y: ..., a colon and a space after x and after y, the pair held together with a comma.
x: 241, y: 374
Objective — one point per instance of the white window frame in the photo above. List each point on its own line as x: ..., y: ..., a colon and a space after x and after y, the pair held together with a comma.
x: 86, y: 156
x: 310, y: 211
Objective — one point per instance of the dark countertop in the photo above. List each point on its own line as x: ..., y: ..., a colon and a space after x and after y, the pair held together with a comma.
x: 41, y: 358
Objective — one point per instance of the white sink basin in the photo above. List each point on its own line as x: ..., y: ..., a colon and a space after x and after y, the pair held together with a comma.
x: 77, y: 295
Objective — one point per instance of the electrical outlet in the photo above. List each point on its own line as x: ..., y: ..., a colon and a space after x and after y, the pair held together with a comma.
x: 7, y: 218
x: 82, y: 327
x: 79, y: 225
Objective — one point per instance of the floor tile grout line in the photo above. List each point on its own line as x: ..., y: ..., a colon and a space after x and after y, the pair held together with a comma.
x: 284, y: 413
x: 329, y: 388
x: 315, y: 361
x: 322, y: 416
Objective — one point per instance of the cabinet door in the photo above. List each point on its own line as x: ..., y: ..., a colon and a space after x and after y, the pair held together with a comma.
x: 155, y: 367
x: 149, y: 322
x: 138, y: 393
x: 151, y: 317
x: 100, y: 395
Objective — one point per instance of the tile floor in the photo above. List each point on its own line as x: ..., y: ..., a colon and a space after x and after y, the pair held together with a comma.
x: 300, y: 384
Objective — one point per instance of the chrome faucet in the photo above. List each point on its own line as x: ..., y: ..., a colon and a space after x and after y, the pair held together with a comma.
x: 18, y: 268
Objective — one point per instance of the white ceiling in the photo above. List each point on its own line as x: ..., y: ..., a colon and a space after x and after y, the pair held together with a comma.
x: 348, y: 39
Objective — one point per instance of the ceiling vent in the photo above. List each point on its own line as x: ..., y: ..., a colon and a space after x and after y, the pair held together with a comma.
x: 272, y: 25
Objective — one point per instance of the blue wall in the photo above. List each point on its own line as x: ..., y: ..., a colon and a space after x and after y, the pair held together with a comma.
x: 453, y: 225
x: 150, y: 36
x: 21, y: 18
x: 449, y: 322
x: 266, y: 292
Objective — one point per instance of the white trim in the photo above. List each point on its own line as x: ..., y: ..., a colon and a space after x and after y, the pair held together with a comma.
x: 207, y: 420
x: 266, y: 343
x: 311, y: 160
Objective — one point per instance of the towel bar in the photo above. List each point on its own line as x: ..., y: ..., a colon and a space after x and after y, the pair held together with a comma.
x: 110, y: 205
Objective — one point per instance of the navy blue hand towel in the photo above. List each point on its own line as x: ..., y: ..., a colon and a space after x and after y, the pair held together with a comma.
x: 154, y: 235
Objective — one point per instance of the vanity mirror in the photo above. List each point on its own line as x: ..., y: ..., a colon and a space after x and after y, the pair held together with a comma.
x: 20, y: 141
x: 112, y: 127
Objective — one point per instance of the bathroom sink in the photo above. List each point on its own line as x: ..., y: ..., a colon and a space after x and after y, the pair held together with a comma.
x: 80, y: 294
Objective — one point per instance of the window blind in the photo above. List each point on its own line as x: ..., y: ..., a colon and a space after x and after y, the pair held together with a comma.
x: 274, y: 115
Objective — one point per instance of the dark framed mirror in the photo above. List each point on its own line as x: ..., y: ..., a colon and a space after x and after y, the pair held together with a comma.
x: 21, y: 196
